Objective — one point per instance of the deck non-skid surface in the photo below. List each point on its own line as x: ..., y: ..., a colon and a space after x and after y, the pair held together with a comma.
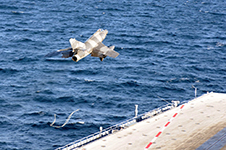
x: 198, y: 121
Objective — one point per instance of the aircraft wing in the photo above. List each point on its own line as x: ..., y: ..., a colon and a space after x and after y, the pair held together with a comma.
x: 102, y: 49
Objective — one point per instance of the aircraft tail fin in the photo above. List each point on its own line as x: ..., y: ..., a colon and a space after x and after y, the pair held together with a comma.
x: 112, y: 47
x: 111, y: 52
x: 76, y: 44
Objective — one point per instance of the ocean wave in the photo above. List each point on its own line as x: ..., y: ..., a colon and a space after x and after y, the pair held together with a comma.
x: 8, y: 70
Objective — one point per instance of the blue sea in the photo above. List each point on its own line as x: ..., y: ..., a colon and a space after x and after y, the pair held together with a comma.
x: 167, y: 49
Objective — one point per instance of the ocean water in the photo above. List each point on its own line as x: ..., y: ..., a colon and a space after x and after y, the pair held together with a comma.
x: 166, y: 49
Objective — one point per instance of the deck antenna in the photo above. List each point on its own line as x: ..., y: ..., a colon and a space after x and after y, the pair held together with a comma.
x: 65, y: 121
x: 195, y: 90
x: 136, y: 110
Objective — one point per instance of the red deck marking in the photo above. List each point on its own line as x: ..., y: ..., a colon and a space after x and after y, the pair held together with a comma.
x: 158, y: 134
x: 167, y: 124
x: 181, y: 106
x: 175, y: 115
x: 148, y: 145
x: 153, y: 140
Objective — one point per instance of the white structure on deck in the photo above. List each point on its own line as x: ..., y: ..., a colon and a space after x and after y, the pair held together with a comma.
x: 168, y: 127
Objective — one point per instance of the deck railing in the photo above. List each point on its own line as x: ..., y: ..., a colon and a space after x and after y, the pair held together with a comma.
x: 118, y: 127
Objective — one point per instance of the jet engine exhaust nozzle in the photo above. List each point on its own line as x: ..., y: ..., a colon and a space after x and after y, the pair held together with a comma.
x: 74, y: 58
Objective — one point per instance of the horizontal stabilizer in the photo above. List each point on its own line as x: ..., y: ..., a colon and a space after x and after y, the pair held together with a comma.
x: 65, y: 53
x: 69, y: 48
x: 51, y: 54
x: 112, y: 53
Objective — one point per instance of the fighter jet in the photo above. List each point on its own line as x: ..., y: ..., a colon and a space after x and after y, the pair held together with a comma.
x: 93, y: 46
